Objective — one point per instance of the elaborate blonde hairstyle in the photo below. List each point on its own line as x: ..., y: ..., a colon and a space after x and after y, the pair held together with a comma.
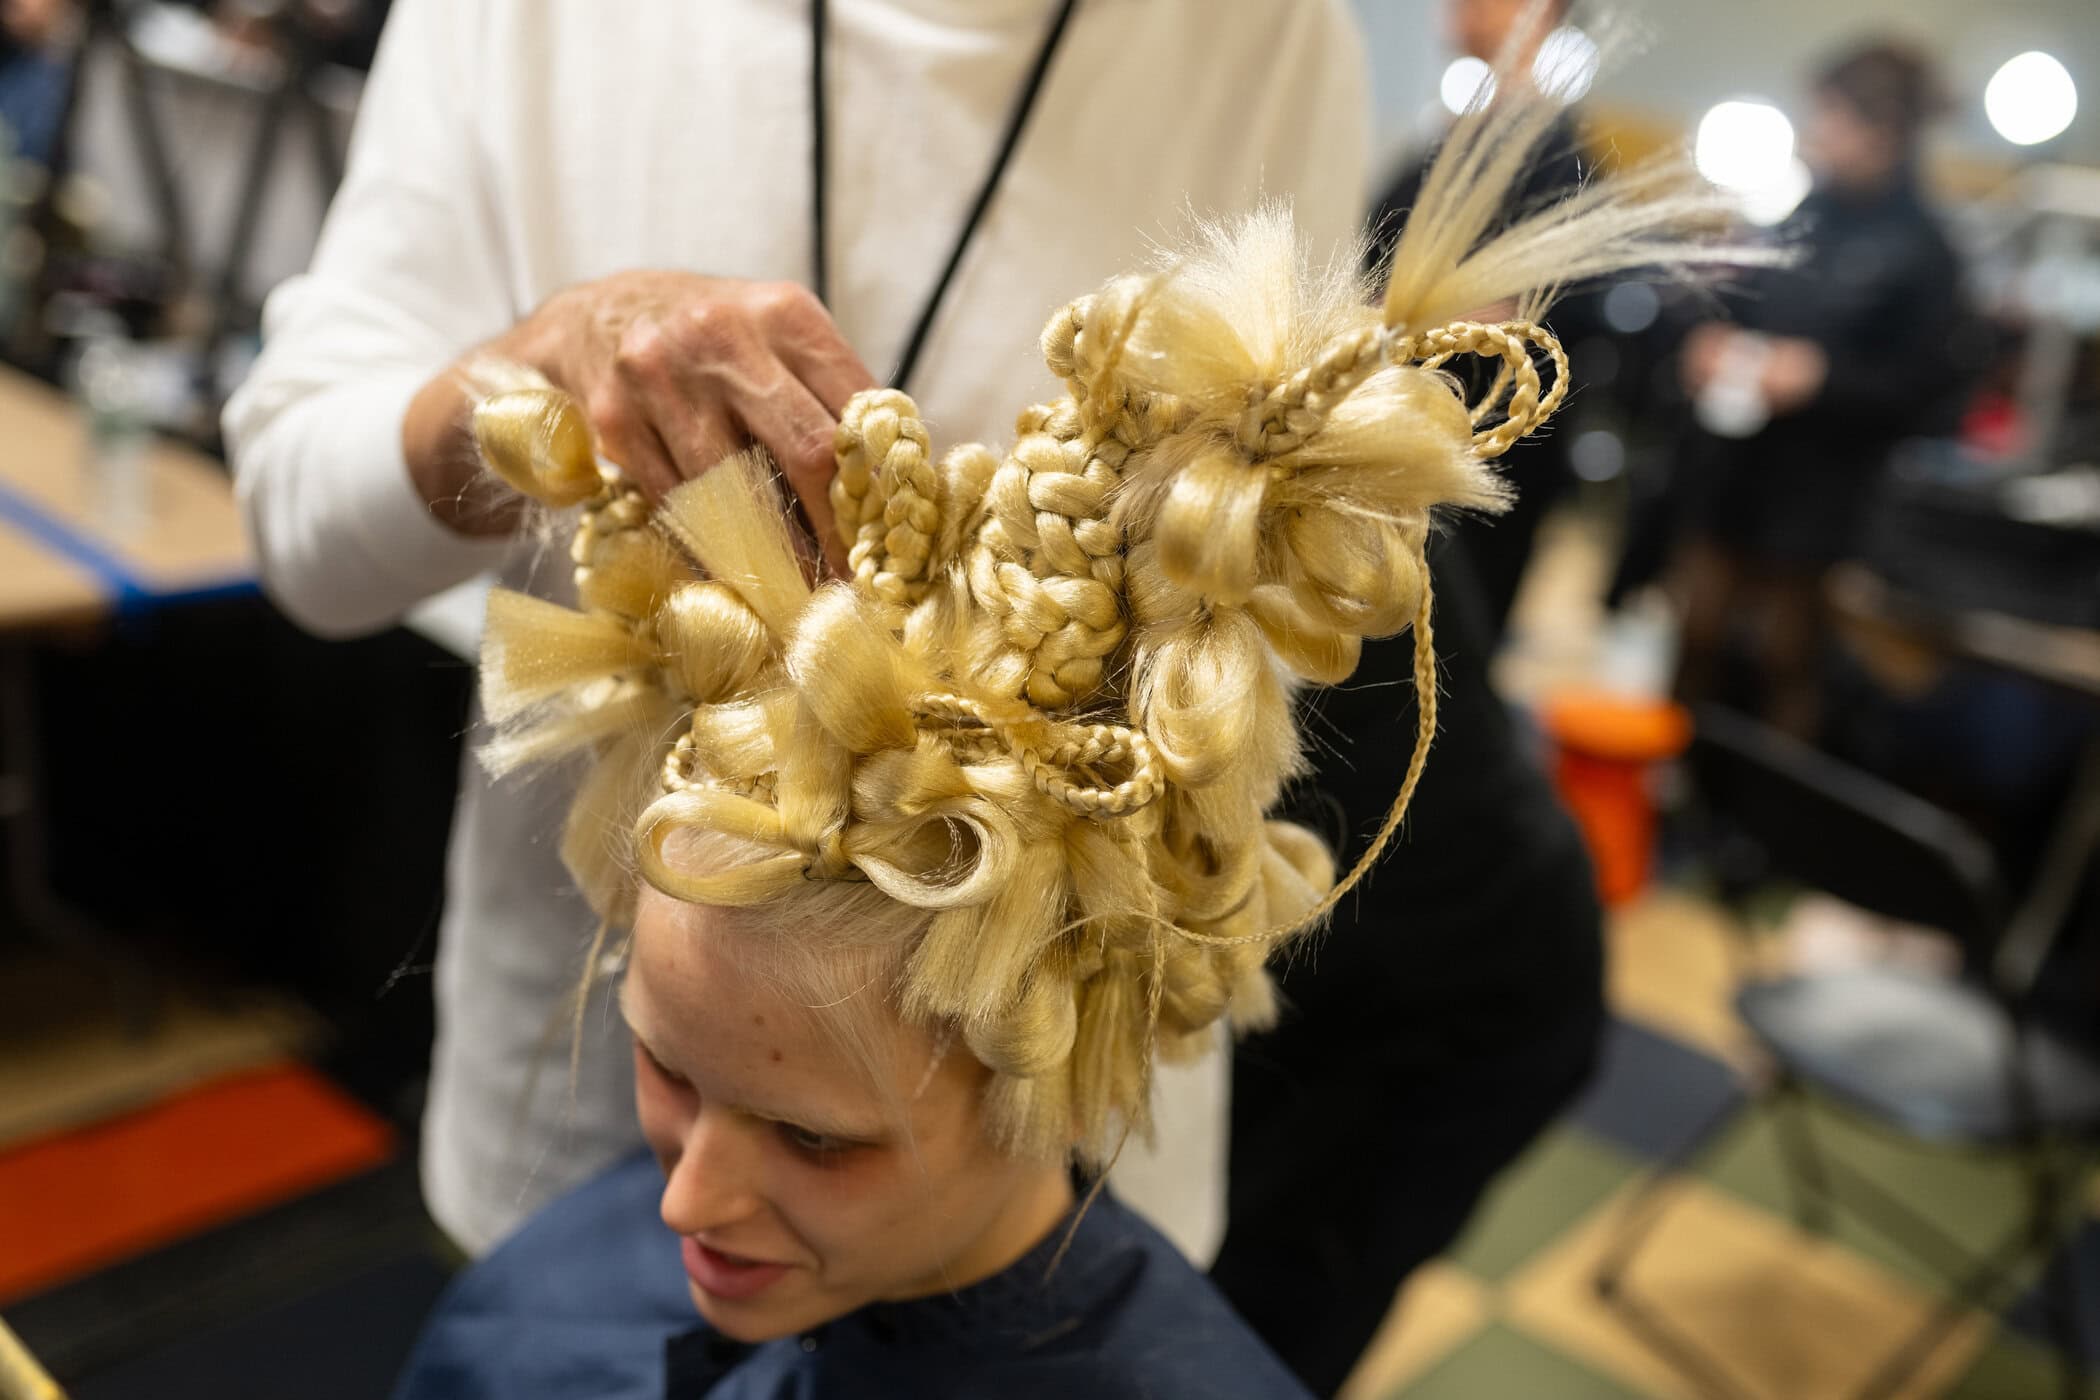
x: 1048, y: 715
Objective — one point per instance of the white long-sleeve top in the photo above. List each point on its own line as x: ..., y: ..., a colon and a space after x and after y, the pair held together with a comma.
x: 506, y: 149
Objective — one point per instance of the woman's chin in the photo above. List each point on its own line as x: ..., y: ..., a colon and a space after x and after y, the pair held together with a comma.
x: 753, y: 1320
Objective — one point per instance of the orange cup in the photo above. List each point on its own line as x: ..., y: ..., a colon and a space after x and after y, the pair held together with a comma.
x: 1603, y: 748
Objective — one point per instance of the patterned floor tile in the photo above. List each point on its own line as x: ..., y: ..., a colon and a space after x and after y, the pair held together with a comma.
x: 1502, y: 1364
x: 1652, y: 1094
x: 1972, y: 1197
x: 1788, y: 1316
x: 1563, y: 1176
x: 1441, y: 1306
x: 2011, y: 1369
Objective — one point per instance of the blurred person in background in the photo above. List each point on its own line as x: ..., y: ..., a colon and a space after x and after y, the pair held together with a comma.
x: 344, y: 32
x: 1457, y: 1004
x: 1498, y: 550
x: 1452, y: 1011
x: 33, y: 75
x: 1800, y: 400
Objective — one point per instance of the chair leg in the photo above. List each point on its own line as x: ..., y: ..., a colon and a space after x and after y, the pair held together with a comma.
x: 2062, y: 1299
x: 1982, y: 1283
x: 2062, y: 1292
x: 1896, y: 1222
x: 1644, y: 1206
x: 1808, y: 1179
x: 1638, y: 1218
x: 1971, y: 1292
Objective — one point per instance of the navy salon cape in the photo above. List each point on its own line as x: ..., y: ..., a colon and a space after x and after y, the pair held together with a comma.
x: 590, y: 1300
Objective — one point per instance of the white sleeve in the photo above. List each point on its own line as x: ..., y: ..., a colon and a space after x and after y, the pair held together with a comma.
x: 406, y: 275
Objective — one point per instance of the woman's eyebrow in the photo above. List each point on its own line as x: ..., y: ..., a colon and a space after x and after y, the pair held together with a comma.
x: 817, y: 1123
x: 626, y: 999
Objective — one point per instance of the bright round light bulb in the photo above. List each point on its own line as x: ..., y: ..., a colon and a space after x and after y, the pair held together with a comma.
x: 1766, y: 205
x: 1566, y: 64
x: 1466, y: 79
x: 2031, y: 98
x: 1744, y: 145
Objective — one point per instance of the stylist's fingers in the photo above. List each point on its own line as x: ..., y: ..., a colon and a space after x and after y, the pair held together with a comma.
x: 809, y: 344
x: 628, y: 439
x: 799, y: 431
x: 700, y: 431
x: 802, y: 333
x: 682, y: 370
x: 640, y: 402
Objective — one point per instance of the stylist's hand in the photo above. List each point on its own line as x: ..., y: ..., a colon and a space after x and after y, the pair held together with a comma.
x: 675, y: 371
x: 1699, y: 360
x: 1794, y: 373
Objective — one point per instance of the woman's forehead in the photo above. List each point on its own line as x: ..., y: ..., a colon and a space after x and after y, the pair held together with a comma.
x: 710, y: 1009
x: 687, y: 983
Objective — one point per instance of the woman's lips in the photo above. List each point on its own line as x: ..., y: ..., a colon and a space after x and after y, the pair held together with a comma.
x: 722, y: 1275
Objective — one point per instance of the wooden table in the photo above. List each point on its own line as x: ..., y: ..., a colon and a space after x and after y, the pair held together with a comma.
x: 40, y: 589
x: 60, y: 564
x: 2067, y: 658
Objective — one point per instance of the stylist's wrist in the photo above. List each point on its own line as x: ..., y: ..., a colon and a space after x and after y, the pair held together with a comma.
x: 437, y: 444
x: 437, y: 439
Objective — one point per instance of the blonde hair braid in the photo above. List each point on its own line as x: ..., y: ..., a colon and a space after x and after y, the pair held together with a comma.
x: 1512, y: 344
x: 886, y: 495
x: 1049, y: 564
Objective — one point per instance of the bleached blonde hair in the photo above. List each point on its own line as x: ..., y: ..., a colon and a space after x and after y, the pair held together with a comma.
x: 1047, y: 717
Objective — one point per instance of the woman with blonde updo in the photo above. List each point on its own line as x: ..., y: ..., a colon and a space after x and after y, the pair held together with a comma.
x: 909, y: 878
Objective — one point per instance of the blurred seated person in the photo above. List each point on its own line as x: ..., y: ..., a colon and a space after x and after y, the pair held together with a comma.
x: 1499, y: 549
x: 33, y: 75
x: 1800, y: 400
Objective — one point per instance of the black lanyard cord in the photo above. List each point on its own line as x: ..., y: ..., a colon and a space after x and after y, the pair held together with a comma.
x: 1031, y: 89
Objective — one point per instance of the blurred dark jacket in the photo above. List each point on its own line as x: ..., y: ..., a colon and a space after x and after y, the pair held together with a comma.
x: 1450, y: 1013
x: 1878, y: 288
x: 1455, y: 1005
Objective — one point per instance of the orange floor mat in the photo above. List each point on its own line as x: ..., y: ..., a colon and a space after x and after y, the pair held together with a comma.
x: 81, y: 1199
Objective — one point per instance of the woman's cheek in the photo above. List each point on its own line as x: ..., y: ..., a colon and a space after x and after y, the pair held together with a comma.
x: 840, y: 1207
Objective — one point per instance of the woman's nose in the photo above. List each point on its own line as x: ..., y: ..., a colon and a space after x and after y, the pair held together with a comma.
x: 715, y: 1181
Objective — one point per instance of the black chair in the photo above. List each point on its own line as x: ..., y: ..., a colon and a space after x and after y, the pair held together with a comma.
x: 1956, y: 1062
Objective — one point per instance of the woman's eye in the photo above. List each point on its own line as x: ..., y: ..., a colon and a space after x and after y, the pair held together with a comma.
x: 809, y: 1142
x: 663, y: 1071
